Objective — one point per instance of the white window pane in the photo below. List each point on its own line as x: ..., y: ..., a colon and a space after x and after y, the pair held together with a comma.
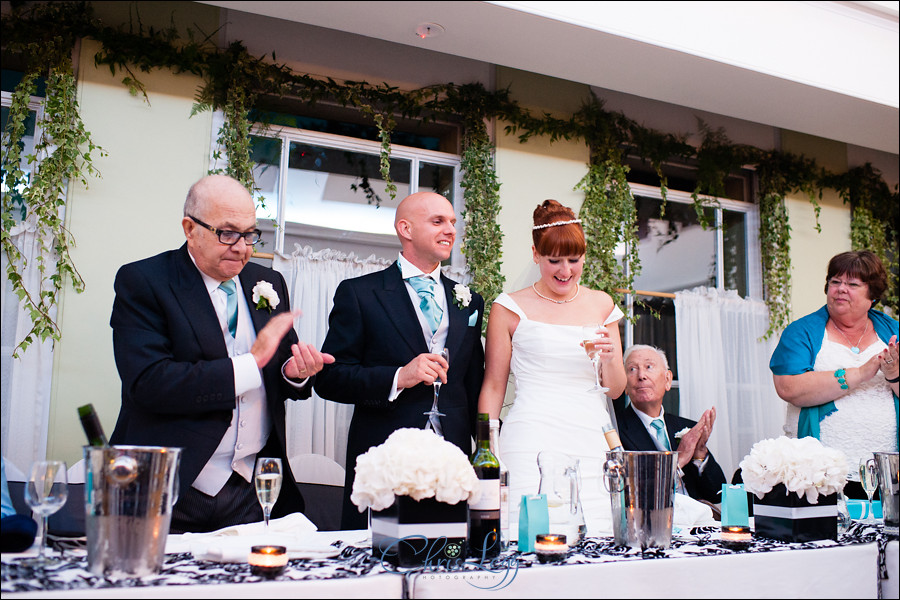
x: 676, y: 253
x: 343, y: 189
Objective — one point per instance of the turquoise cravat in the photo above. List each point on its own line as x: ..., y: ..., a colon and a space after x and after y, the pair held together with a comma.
x: 660, y: 428
x: 230, y: 290
x: 424, y: 287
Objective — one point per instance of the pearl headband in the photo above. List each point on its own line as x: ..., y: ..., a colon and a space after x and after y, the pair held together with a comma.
x: 555, y: 223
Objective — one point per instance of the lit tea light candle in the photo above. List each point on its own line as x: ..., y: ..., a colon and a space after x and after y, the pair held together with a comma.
x: 737, y: 537
x: 267, y: 560
x: 550, y: 547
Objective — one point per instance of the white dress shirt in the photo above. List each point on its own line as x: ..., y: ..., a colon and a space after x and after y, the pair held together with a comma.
x: 436, y: 341
x: 250, y: 423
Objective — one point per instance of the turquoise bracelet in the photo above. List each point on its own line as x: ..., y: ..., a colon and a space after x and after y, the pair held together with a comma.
x: 840, y: 373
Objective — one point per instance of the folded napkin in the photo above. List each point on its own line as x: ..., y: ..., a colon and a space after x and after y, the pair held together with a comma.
x: 237, y: 549
x: 232, y: 544
x: 691, y: 513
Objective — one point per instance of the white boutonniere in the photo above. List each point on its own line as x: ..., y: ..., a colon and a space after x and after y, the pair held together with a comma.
x: 462, y: 294
x: 682, y: 433
x: 265, y: 296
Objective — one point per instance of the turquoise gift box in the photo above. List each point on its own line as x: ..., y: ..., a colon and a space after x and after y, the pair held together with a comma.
x: 859, y: 508
x: 534, y: 519
x: 735, y: 508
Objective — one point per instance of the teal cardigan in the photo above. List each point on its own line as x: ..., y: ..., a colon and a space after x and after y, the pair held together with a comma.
x: 796, y: 353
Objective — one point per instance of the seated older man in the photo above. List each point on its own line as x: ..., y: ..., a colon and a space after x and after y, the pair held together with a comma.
x: 644, y: 425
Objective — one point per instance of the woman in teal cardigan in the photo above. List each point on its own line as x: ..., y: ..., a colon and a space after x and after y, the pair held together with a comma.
x: 839, y: 365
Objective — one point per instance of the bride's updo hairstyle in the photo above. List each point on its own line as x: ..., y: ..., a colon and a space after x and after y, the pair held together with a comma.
x: 556, y: 231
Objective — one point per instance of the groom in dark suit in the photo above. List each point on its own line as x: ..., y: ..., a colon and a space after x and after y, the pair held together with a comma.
x: 644, y: 425
x: 207, y: 355
x: 386, y: 340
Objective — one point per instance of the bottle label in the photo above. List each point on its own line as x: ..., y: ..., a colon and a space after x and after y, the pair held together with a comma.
x: 612, y: 438
x: 490, y: 495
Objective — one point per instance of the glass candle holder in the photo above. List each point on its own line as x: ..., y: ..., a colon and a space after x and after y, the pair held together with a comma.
x: 550, y: 547
x: 736, y: 537
x: 267, y: 561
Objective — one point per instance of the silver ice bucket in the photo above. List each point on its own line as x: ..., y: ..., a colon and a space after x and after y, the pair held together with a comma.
x: 129, y: 493
x: 642, y: 488
x: 887, y: 464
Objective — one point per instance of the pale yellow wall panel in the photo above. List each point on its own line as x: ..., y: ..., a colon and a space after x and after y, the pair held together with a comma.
x: 811, y: 250
x: 529, y: 178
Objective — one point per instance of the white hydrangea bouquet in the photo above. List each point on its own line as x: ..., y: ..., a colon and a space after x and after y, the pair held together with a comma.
x: 804, y: 466
x: 415, y: 463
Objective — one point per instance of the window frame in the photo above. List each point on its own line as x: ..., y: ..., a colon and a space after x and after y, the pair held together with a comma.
x: 416, y: 156
x: 36, y: 104
x: 753, y: 255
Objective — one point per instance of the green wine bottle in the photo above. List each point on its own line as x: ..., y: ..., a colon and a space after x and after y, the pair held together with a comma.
x: 484, y: 515
x: 90, y: 422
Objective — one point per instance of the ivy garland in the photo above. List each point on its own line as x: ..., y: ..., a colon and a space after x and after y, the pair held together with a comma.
x: 65, y: 147
x: 234, y: 81
x: 483, y: 240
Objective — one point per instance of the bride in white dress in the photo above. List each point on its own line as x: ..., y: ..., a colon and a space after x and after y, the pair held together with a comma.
x: 535, y: 333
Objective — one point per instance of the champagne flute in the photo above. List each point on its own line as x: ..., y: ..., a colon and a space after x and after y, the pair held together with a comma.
x: 46, y: 493
x: 434, y: 416
x: 267, y: 477
x: 593, y: 336
x: 868, y: 477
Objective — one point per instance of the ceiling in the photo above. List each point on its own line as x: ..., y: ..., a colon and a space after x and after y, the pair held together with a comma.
x: 828, y: 69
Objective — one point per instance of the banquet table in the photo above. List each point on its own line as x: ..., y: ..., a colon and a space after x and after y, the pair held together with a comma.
x: 863, y: 563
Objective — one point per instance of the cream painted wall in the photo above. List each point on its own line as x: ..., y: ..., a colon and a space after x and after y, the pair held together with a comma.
x: 154, y: 153
x: 811, y: 250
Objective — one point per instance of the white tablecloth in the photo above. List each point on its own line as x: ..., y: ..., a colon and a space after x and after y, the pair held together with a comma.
x: 845, y: 572
x: 697, y: 568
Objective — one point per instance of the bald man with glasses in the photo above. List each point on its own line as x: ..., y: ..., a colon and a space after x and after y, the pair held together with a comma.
x: 207, y: 354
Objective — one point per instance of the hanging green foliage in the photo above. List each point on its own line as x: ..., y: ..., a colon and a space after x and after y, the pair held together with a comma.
x: 779, y: 175
x: 62, y: 156
x: 608, y: 217
x: 483, y: 241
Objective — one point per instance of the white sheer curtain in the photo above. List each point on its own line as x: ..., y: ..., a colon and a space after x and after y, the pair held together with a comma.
x: 25, y: 380
x: 317, y: 426
x: 723, y: 363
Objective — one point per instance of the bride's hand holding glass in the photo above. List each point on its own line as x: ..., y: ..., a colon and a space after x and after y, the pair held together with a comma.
x: 595, y: 341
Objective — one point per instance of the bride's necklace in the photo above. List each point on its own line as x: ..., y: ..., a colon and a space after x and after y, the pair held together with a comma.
x: 853, y: 348
x: 577, y: 289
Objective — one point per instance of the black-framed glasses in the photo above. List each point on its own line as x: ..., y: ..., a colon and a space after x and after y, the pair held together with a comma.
x: 230, y: 238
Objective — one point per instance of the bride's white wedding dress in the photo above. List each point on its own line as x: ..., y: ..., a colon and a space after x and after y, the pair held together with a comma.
x: 554, y: 411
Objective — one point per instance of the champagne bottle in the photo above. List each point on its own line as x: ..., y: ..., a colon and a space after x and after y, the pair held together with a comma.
x: 92, y: 427
x: 504, y: 485
x: 610, y: 430
x: 484, y: 515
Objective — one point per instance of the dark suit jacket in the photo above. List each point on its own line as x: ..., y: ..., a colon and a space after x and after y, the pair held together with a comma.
x: 373, y: 330
x: 177, y: 378
x: 705, y: 486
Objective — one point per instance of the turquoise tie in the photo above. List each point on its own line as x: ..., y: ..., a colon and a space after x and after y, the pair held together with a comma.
x: 424, y: 287
x: 660, y: 428
x: 230, y: 290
